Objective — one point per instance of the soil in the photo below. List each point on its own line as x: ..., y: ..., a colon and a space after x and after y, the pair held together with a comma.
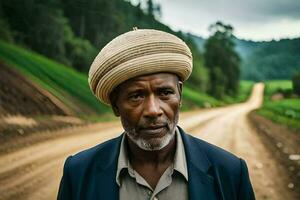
x: 20, y: 96
x: 284, y: 144
x: 27, y: 109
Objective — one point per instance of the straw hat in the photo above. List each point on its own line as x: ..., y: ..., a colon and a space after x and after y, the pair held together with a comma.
x: 135, y: 53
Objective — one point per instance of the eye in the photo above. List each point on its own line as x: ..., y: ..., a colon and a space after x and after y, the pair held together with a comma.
x: 166, y: 92
x: 135, y: 97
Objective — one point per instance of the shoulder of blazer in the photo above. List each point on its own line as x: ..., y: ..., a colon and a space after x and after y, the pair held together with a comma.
x: 100, y: 156
x: 216, y: 156
x: 229, y: 172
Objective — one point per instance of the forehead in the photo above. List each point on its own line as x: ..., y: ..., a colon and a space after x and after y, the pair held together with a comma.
x: 152, y: 79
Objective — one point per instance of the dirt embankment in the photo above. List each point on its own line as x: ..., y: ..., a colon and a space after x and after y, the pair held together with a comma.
x: 20, y: 96
x: 26, y: 108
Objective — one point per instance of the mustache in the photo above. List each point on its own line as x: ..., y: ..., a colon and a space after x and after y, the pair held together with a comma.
x: 154, y: 124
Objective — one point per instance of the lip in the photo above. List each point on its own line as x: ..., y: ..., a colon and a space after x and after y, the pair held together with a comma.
x: 153, y: 130
x: 154, y: 127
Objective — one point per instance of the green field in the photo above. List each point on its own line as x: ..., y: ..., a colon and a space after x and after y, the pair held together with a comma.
x: 192, y: 99
x: 273, y: 86
x: 285, y: 111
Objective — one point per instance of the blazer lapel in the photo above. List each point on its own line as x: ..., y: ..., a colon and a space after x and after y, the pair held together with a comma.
x: 107, y: 188
x: 105, y: 178
x: 201, y: 184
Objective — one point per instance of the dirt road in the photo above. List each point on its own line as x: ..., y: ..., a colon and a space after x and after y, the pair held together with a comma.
x: 34, y: 172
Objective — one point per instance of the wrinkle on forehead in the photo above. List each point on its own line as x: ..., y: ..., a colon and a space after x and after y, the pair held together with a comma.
x: 158, y: 78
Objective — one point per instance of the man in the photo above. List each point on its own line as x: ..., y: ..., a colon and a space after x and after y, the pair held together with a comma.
x: 140, y: 74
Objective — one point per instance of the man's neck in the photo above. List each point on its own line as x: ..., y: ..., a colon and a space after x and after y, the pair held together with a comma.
x: 138, y: 156
x: 151, y: 164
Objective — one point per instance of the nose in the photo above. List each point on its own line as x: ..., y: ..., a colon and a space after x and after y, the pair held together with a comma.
x: 152, y: 107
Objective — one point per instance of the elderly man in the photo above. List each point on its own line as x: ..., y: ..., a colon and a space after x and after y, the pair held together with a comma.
x: 140, y: 74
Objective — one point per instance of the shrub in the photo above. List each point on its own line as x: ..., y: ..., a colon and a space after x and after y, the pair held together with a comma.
x: 296, y: 83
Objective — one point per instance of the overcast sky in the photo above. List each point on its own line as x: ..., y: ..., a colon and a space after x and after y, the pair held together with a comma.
x: 251, y: 19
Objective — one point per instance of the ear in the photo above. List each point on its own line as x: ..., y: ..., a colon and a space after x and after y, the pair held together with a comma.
x: 115, y: 110
x: 179, y: 86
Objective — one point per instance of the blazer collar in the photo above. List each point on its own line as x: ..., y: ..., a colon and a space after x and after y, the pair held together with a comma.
x: 201, y: 182
x: 106, y: 168
x: 195, y: 155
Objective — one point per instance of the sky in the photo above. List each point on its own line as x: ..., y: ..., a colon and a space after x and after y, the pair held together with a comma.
x: 258, y: 20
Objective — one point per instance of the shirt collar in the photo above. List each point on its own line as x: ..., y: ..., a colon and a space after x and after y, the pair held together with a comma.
x: 179, y: 159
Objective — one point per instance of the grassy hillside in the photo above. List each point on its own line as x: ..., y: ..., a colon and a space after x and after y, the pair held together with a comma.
x: 70, y: 86
x: 285, y: 111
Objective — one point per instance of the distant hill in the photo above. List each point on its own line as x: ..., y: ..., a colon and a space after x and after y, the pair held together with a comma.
x: 274, y: 60
x: 247, y: 47
x: 265, y: 60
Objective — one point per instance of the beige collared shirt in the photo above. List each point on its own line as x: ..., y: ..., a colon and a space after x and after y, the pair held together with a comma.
x: 173, y: 184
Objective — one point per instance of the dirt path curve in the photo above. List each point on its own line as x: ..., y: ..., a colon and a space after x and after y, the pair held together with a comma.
x: 34, y: 172
x: 232, y: 131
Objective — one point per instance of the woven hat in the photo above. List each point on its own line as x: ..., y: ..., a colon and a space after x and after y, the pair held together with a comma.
x: 135, y: 53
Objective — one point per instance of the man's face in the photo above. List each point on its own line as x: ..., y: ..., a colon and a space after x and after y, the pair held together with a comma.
x: 149, y: 107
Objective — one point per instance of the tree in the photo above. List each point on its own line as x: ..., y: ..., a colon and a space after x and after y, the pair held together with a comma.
x: 222, y: 61
x: 150, y: 8
x: 39, y: 25
x: 296, y: 83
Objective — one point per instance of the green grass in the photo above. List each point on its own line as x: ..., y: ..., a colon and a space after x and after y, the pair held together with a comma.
x: 273, y: 86
x: 192, y: 99
x: 285, y: 111
x: 68, y: 85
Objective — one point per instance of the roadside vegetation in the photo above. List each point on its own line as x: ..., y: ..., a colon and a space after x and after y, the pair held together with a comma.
x: 280, y: 104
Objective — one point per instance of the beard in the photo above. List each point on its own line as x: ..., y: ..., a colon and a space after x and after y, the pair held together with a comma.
x: 155, y: 143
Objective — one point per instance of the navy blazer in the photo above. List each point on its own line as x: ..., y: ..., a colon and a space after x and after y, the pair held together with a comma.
x: 214, y: 174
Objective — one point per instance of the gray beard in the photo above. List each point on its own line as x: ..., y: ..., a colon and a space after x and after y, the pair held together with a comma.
x: 151, y: 144
x: 147, y: 145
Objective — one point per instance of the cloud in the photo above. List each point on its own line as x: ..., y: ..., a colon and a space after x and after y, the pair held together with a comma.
x: 245, y: 15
